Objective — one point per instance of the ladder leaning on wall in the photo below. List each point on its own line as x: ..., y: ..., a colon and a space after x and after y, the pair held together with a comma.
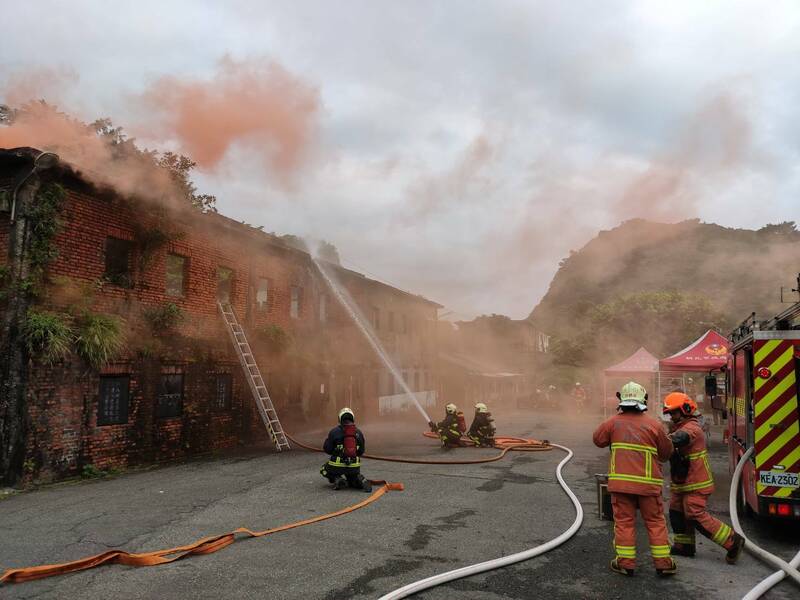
x: 263, y: 402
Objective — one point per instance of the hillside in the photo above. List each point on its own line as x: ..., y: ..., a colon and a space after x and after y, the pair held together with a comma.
x: 736, y: 271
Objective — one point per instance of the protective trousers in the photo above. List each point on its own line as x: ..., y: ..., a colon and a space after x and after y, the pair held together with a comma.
x: 652, y: 510
x: 352, y: 474
x: 688, y: 512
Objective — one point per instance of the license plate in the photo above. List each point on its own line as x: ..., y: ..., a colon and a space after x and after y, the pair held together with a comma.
x: 779, y: 479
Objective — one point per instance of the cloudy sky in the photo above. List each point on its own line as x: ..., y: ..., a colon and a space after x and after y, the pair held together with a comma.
x: 455, y: 149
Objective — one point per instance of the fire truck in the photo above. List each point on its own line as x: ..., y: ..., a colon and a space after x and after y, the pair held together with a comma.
x: 762, y: 404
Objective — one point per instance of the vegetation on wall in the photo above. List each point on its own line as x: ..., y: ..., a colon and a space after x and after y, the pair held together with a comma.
x: 99, y: 338
x: 164, y: 317
x: 43, y: 216
x: 47, y: 335
x: 275, y: 338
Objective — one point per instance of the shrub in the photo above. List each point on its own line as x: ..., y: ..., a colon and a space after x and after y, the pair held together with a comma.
x: 47, y: 335
x: 276, y: 338
x: 99, y: 338
x: 164, y: 317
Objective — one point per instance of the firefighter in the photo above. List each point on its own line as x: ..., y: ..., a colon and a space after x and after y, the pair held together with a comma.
x: 579, y: 394
x: 345, y: 444
x: 638, y: 443
x: 692, y: 483
x: 450, y: 428
x: 481, y: 432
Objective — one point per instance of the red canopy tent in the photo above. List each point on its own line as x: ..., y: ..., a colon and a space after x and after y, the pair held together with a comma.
x: 705, y: 354
x: 708, y: 352
x: 638, y: 365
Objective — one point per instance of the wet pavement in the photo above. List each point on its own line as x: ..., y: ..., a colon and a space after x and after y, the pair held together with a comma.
x: 447, y: 517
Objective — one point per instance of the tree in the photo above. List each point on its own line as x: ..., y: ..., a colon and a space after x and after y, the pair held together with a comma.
x: 328, y: 252
x: 662, y: 321
x: 124, y: 148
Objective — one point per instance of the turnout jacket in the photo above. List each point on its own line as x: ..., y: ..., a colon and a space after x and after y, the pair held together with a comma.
x: 334, y: 445
x: 482, y: 426
x: 699, y: 478
x: 638, y: 444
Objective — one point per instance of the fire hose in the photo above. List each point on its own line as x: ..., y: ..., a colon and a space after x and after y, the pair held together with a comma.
x: 490, y: 565
x: 784, y: 567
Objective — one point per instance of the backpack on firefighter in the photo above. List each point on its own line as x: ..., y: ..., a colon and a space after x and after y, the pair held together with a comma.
x: 345, y: 444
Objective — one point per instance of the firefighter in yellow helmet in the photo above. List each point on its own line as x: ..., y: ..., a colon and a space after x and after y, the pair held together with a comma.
x: 345, y: 444
x: 692, y: 483
x: 451, y: 427
x: 481, y: 432
x: 638, y: 444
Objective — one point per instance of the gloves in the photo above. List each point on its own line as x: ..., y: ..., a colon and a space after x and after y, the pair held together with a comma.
x: 432, y: 425
x: 680, y: 439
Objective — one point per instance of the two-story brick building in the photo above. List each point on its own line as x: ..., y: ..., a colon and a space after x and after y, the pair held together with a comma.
x: 175, y: 387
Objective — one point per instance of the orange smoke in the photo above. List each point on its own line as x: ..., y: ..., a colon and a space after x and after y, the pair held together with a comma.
x: 43, y: 127
x: 36, y: 83
x: 260, y: 106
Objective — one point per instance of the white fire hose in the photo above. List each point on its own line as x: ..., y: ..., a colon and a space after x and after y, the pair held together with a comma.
x: 490, y: 565
x: 758, y: 552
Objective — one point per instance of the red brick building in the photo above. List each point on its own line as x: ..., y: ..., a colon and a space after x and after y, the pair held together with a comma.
x: 175, y: 388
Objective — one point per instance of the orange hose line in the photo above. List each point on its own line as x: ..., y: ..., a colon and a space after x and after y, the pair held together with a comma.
x: 505, y: 443
x: 206, y: 545
x: 213, y: 543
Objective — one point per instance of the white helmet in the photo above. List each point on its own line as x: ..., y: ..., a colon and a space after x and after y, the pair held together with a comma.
x: 347, y: 411
x: 577, y: 384
x: 633, y: 394
x: 451, y: 409
x: 480, y: 407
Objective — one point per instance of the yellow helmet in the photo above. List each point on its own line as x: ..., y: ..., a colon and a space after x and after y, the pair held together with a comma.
x: 480, y: 407
x: 633, y: 394
x: 451, y: 409
x: 347, y: 411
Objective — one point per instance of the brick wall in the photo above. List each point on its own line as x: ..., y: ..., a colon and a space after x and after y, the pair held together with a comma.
x: 335, y: 367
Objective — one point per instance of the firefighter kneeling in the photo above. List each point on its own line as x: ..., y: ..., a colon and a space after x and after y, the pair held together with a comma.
x: 692, y: 483
x: 482, y: 430
x: 450, y: 428
x: 345, y: 444
x: 638, y: 443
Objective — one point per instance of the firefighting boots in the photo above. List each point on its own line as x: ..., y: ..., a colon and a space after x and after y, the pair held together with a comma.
x: 621, y: 570
x: 669, y: 571
x: 340, y: 482
x: 735, y: 550
x: 366, y: 485
x: 682, y: 550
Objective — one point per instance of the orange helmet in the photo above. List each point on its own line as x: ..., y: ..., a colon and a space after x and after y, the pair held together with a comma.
x: 679, y: 401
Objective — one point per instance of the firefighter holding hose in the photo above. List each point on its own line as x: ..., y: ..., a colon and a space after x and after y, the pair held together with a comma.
x: 692, y: 483
x: 345, y: 444
x: 451, y: 427
x: 638, y: 444
x: 482, y: 430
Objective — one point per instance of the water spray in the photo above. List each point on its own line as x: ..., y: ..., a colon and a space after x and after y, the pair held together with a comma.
x: 352, y: 309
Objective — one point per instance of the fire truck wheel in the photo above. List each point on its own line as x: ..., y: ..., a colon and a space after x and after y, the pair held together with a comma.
x: 742, y: 507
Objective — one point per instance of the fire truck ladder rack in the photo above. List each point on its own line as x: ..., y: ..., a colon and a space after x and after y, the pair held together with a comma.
x: 263, y: 402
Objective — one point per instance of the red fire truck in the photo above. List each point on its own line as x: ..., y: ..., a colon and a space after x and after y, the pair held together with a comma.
x: 762, y: 401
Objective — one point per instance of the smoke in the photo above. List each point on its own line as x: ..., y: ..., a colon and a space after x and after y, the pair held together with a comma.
x: 256, y: 105
x: 432, y: 191
x: 42, y: 126
x: 43, y: 82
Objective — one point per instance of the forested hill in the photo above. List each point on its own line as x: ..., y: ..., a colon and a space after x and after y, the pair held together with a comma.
x: 671, y: 279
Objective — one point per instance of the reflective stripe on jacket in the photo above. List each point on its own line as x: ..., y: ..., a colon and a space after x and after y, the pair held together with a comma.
x: 638, y: 445
x: 699, y: 479
x: 334, y: 445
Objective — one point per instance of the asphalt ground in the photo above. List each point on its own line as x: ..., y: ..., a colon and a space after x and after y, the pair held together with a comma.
x: 447, y: 517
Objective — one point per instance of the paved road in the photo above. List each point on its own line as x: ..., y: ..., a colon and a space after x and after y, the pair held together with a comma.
x: 447, y: 517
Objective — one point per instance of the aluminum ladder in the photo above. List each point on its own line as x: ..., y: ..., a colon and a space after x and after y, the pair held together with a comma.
x: 263, y: 402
